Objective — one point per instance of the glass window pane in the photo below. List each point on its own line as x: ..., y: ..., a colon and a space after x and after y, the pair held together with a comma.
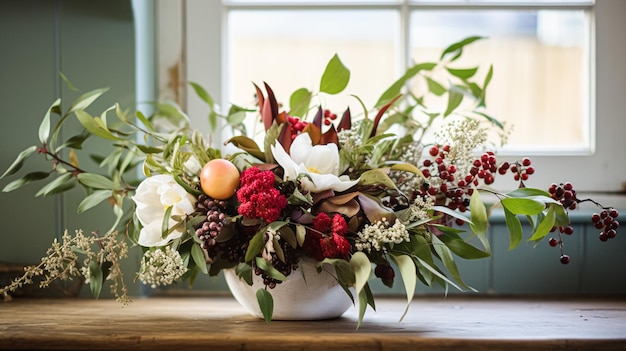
x: 509, y: 2
x: 290, y: 49
x: 540, y: 61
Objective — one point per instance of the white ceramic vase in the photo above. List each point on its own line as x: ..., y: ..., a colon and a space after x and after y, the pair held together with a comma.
x: 305, y: 295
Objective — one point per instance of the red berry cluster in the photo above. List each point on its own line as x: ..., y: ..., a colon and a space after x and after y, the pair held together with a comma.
x: 329, y: 117
x: 457, y: 191
x: 521, y: 170
x: 607, y: 222
x: 564, y: 193
x: 296, y: 125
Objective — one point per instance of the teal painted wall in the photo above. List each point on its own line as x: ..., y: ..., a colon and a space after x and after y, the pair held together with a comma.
x: 92, y: 43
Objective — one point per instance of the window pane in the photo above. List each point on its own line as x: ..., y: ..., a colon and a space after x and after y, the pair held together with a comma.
x: 289, y: 50
x: 509, y: 2
x: 540, y: 69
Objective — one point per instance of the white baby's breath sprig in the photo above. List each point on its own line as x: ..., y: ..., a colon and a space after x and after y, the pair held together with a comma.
x: 161, y: 267
x: 376, y: 235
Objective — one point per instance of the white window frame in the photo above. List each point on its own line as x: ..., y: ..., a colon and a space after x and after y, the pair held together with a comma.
x: 204, y: 54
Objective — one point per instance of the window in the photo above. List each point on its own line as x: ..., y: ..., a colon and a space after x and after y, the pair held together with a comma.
x: 557, y: 75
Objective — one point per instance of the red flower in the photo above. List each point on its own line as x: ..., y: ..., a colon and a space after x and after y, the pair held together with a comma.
x: 330, y: 236
x: 322, y: 222
x: 257, y: 196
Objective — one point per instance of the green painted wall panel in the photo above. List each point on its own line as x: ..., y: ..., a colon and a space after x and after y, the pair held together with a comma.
x: 92, y: 43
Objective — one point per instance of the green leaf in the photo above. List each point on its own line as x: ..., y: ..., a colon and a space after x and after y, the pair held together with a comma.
x: 289, y: 236
x: 514, y: 227
x: 407, y: 167
x: 19, y: 161
x: 247, y: 144
x: 485, y: 84
x: 142, y: 118
x: 525, y: 192
x: 165, y: 225
x: 269, y: 269
x: 408, y: 272
x: 244, y: 271
x: 452, y: 213
x: 95, y: 181
x: 454, y: 100
x: 362, y: 307
x: 74, y: 142
x: 462, y: 73
x: 545, y: 225
x: 447, y: 259
x: 523, y: 205
x: 44, y: 127
x: 59, y: 184
x: 95, y: 278
x: 456, y: 49
x: 236, y: 118
x: 395, y: 89
x: 300, y: 234
x: 345, y: 272
x: 266, y: 304
x: 479, y: 219
x: 85, y: 100
x: 255, y: 246
x: 203, y: 94
x: 436, y: 272
x: 490, y: 119
x: 67, y: 82
x: 461, y: 248
x: 299, y: 102
x: 435, y: 87
x: 93, y: 200
x: 198, y: 258
x: 362, y: 268
x: 94, y: 126
x: 335, y: 77
x: 376, y: 176
x: 30, y: 177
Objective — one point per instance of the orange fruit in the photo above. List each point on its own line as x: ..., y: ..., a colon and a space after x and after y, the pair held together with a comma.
x: 219, y: 179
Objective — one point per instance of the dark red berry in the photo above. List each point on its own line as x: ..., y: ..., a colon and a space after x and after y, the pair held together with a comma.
x: 553, y: 242
x: 564, y: 259
x: 434, y: 151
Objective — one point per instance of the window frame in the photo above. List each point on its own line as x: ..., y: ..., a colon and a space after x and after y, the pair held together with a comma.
x: 601, y: 172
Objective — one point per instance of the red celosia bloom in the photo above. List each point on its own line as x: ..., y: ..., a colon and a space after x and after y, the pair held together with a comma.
x: 330, y: 235
x: 322, y: 223
x: 340, y: 227
x: 257, y: 196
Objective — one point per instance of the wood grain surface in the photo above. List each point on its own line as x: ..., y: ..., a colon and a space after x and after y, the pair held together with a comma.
x: 219, y: 323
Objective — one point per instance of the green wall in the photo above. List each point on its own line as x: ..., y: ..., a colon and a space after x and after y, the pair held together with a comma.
x: 91, y: 43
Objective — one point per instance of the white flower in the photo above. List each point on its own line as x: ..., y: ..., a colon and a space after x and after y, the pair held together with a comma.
x: 377, y: 236
x: 153, y: 197
x: 160, y: 267
x: 319, y: 162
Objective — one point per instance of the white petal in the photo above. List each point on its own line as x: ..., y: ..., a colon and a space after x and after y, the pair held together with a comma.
x: 324, y: 158
x: 150, y: 235
x: 301, y: 148
x: 280, y: 155
x: 321, y: 182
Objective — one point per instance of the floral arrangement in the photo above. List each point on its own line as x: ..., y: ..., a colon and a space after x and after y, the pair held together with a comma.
x: 367, y: 192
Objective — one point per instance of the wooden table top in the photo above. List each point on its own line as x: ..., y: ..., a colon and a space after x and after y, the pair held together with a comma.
x: 219, y: 323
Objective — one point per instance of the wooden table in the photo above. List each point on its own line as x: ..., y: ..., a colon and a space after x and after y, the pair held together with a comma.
x: 218, y: 323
